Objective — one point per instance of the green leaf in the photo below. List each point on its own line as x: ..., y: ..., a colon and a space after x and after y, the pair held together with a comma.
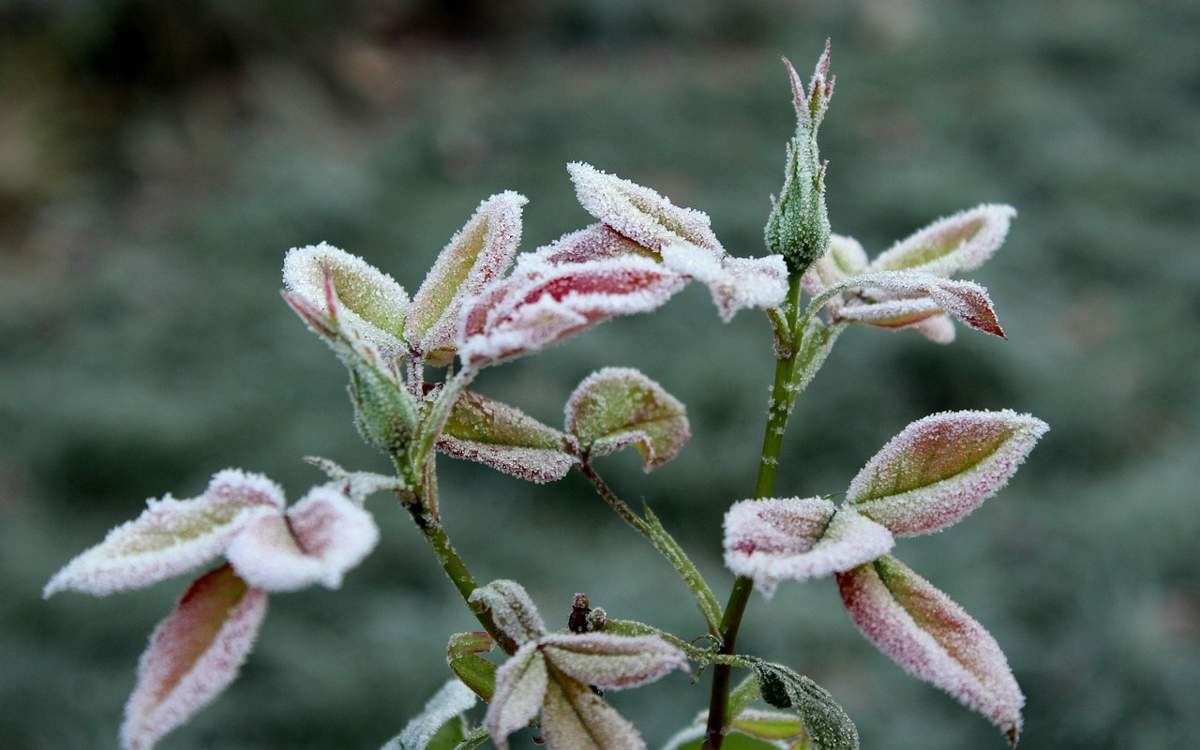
x: 505, y: 438
x: 828, y: 725
x: 384, y: 411
x: 619, y: 406
x: 462, y: 656
x: 670, y: 549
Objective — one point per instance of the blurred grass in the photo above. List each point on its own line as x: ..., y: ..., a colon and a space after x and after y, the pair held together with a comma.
x: 156, y: 161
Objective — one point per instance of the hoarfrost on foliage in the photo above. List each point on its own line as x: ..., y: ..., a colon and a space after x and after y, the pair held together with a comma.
x: 512, y: 610
x: 914, y: 297
x: 505, y: 438
x: 953, y: 244
x: 448, y: 703
x: 520, y: 691
x: 735, y: 283
x: 618, y: 406
x: 575, y: 718
x: 612, y: 662
x: 594, y: 242
x: 356, y: 485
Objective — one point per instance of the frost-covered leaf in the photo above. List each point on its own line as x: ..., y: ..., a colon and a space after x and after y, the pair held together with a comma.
x: 612, y: 662
x: 618, y: 406
x: 735, y: 283
x: 171, y: 536
x: 521, y: 684
x: 954, y: 244
x: 812, y: 101
x: 371, y: 300
x: 384, y: 411
x: 828, y: 726
x: 575, y: 718
x: 844, y: 259
x: 933, y: 639
x: 506, y: 439
x: 476, y: 255
x: 462, y: 656
x: 595, y: 242
x: 444, y: 708
x: 937, y: 328
x: 193, y: 655
x: 527, y: 313
x: 640, y: 213
x: 512, y: 610
x: 768, y: 725
x: 356, y: 485
x: 942, y: 467
x: 794, y: 538
x: 324, y: 535
x: 911, y: 298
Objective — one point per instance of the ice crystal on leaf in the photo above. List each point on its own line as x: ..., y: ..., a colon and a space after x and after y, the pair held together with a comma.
x: 951, y: 245
x: 911, y: 298
x: 512, y: 610
x: 356, y: 485
x: 942, y: 467
x: 477, y: 255
x: 618, y: 406
x: 445, y: 707
x: 612, y: 662
x: 595, y: 242
x: 933, y: 639
x: 171, y: 536
x: 844, y: 259
x: 193, y: 655
x: 735, y: 283
x: 505, y: 438
x: 827, y: 725
x: 775, y: 539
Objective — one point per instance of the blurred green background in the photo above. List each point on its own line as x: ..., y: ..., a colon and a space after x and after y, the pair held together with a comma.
x: 157, y: 159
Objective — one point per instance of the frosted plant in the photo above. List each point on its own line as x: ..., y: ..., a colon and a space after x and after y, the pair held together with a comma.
x: 411, y: 365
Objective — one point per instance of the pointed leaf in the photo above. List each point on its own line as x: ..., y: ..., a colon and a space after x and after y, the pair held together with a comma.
x: 428, y: 730
x: 371, y: 300
x: 612, y: 662
x: 595, y: 242
x: 324, y: 535
x: 933, y: 639
x: 356, y: 485
x: 476, y: 255
x: 575, y: 718
x: 827, y: 724
x: 796, y: 538
x: 506, y: 439
x: 915, y: 297
x: 527, y: 313
x: 618, y: 406
x: 171, y: 536
x: 845, y: 258
x: 937, y: 328
x: 521, y: 684
x: 193, y: 655
x: 954, y: 244
x: 942, y: 467
x: 512, y: 610
x: 735, y: 283
x: 638, y: 212
x: 462, y: 656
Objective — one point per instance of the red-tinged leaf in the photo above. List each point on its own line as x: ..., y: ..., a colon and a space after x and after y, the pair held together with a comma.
x: 477, y: 255
x: 640, y: 213
x: 521, y: 684
x: 322, y: 536
x: 171, y: 536
x: 942, y: 467
x: 954, y: 244
x: 528, y: 313
x: 910, y: 298
x: 575, y: 718
x: 506, y: 439
x: 193, y: 655
x: 812, y: 101
x: 618, y: 406
x: 595, y: 242
x: 933, y: 639
x: 776, y: 539
x: 512, y: 610
x: 735, y: 283
x: 612, y: 662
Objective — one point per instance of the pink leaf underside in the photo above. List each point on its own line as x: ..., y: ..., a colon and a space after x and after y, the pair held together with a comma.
x: 525, y: 314
x: 942, y: 467
x: 171, y: 536
x: 844, y: 258
x: 612, y: 662
x: 538, y: 465
x: 640, y: 213
x: 909, y: 298
x: 933, y: 639
x: 796, y: 539
x: 371, y: 302
x: 508, y: 440
x: 575, y: 718
x: 512, y: 610
x: 193, y: 655
x: 735, y: 283
x: 321, y: 537
x: 477, y: 255
x: 954, y: 244
x: 520, y: 690
x: 594, y: 242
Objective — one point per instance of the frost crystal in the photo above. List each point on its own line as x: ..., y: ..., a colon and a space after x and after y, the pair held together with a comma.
x: 942, y: 467
x: 640, y: 213
x: 618, y: 406
x: 933, y: 639
x: 844, y: 258
x: 520, y: 691
x: 445, y: 706
x: 512, y: 610
x: 910, y: 298
x: 171, y: 536
x: 476, y: 255
x: 735, y: 283
x: 798, y: 538
x: 954, y: 244
x: 612, y: 662
x: 575, y: 718
x: 595, y: 242
x: 506, y: 439
x: 356, y: 485
x: 192, y: 656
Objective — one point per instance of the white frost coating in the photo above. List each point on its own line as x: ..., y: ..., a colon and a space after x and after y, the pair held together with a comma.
x: 910, y: 297
x: 937, y: 328
x: 370, y: 299
x: 538, y: 465
x: 452, y: 700
x: 640, y: 213
x: 594, y: 242
x: 684, y: 736
x: 954, y: 244
x: 798, y: 538
x: 512, y: 610
x: 612, y: 662
x: 324, y: 535
x: 520, y: 689
x: 356, y: 485
x: 192, y: 656
x: 844, y: 258
x: 575, y: 718
x: 933, y: 639
x: 942, y: 467
x: 171, y: 536
x: 735, y: 283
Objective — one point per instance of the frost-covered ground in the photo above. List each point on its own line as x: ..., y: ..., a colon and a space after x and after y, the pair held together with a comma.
x: 154, y: 170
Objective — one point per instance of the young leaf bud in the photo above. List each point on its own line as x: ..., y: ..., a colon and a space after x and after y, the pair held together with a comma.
x: 383, y: 410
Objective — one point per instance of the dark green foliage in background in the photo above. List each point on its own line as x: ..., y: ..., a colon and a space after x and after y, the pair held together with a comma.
x: 155, y: 163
